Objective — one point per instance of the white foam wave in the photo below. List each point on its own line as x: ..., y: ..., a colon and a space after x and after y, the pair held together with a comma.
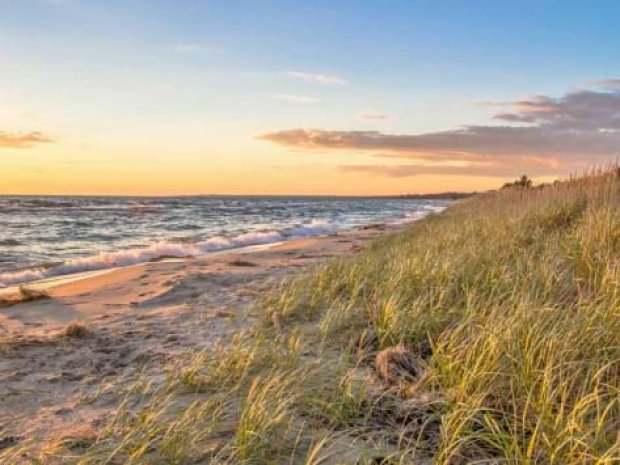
x: 164, y: 249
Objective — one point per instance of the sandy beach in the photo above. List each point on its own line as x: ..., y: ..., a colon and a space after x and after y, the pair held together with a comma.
x: 139, y: 318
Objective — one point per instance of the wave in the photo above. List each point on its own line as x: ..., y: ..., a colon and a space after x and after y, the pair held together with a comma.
x: 182, y: 249
x: 164, y: 249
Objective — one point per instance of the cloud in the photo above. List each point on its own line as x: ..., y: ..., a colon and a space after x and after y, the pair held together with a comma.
x: 402, y: 171
x: 296, y: 98
x: 190, y: 48
x: 608, y: 83
x: 470, y: 143
x: 22, y: 141
x: 584, y: 110
x: 373, y: 116
x: 317, y: 78
x: 540, y: 132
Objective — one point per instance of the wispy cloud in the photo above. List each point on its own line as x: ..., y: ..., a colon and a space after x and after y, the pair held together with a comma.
x: 296, y: 98
x: 405, y: 171
x: 22, y: 140
x: 373, y: 116
x: 317, y: 78
x: 190, y: 48
x: 608, y: 83
x: 544, y: 133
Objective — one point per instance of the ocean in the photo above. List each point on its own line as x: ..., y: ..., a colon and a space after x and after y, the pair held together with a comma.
x: 42, y: 237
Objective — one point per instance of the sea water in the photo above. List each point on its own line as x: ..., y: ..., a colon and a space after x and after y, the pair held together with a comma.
x: 42, y: 237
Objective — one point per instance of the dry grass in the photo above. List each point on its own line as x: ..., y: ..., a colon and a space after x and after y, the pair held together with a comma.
x: 510, y: 302
x: 514, y: 298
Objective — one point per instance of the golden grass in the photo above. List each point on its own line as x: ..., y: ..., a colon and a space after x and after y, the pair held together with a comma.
x: 509, y: 301
x: 517, y: 294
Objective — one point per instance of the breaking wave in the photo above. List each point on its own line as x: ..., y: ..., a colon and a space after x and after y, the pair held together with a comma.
x: 164, y: 249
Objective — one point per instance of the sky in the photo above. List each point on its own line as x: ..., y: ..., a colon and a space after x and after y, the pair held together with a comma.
x: 154, y: 97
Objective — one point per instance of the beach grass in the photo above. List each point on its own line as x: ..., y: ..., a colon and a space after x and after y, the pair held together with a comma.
x: 495, y: 326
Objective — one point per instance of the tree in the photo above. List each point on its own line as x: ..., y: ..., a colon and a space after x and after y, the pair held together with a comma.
x: 523, y: 182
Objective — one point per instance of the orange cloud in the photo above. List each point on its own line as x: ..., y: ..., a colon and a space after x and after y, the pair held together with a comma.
x: 544, y: 133
x: 21, y: 141
x: 491, y: 171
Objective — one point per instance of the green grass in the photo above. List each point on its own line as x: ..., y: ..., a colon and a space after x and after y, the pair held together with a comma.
x: 509, y: 300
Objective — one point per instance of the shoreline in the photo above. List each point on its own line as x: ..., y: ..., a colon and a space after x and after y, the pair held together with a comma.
x: 47, y: 283
x: 11, y: 280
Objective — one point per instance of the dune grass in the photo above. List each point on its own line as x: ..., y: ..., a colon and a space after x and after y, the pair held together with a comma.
x: 508, y: 304
x: 517, y: 294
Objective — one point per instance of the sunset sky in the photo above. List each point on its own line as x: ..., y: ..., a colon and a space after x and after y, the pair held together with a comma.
x: 290, y: 97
